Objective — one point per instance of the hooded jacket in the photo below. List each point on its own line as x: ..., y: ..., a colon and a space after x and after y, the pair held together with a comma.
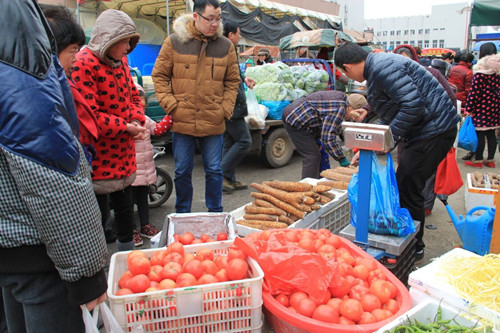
x: 108, y: 88
x: 461, y: 77
x: 49, y: 217
x: 407, y: 97
x: 196, y: 79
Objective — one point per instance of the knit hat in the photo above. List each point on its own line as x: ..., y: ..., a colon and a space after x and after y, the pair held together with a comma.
x: 263, y: 51
x: 356, y: 101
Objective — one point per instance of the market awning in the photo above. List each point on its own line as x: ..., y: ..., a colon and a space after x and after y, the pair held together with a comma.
x: 314, y: 38
x: 485, y: 13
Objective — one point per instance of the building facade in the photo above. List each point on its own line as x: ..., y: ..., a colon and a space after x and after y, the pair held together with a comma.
x: 445, y: 27
x: 352, y: 14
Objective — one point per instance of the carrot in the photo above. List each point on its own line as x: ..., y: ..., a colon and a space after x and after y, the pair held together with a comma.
x: 255, y: 223
x: 253, y: 209
x: 308, y: 200
x: 315, y: 207
x: 289, y: 198
x: 346, y: 171
x: 279, y: 203
x: 323, y: 199
x: 286, y: 219
x: 329, y: 195
x: 263, y: 203
x: 321, y: 188
x: 261, y: 217
x: 341, y: 185
x: 289, y: 186
x: 332, y: 174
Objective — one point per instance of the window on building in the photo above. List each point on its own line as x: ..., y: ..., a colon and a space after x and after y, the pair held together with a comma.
x: 412, y: 32
x: 420, y: 43
x: 392, y: 32
x: 412, y: 43
x: 378, y: 33
x: 391, y: 46
x: 441, y: 43
x: 384, y: 45
x: 384, y: 33
x: 442, y: 29
x: 435, y: 29
x: 426, y: 44
x: 427, y: 31
x: 435, y: 43
x: 405, y: 42
x: 398, y: 32
x: 420, y: 31
x: 405, y: 32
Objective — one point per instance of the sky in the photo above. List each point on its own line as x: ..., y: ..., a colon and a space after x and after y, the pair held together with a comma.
x: 391, y: 8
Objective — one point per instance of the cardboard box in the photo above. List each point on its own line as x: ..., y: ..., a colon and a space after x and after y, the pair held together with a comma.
x: 477, y: 196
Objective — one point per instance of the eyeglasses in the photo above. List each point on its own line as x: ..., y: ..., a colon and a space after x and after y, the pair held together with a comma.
x: 211, y: 20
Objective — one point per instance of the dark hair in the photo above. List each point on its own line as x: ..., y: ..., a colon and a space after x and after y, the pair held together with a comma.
x: 200, y: 5
x: 467, y: 57
x: 458, y: 56
x: 487, y: 49
x: 349, y: 53
x: 447, y: 55
x: 65, y: 29
x: 418, y: 49
x: 230, y: 26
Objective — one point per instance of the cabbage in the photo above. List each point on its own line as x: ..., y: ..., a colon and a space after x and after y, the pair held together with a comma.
x: 264, y: 73
x: 270, y: 91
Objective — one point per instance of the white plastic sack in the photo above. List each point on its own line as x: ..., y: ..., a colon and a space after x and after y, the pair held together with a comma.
x: 257, y: 113
x: 90, y: 320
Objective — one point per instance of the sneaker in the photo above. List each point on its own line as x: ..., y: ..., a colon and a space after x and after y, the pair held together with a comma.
x: 419, y: 255
x: 137, y: 238
x: 227, y: 186
x: 428, y: 212
x: 239, y: 185
x: 489, y: 163
x: 474, y: 163
x: 149, y: 231
x: 469, y: 156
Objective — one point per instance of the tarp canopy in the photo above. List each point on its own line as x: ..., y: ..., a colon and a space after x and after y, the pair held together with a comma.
x: 485, y: 13
x: 314, y: 39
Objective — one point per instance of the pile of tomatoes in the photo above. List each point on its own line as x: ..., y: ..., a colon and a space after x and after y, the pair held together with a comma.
x: 188, y: 238
x: 359, y: 293
x: 172, y: 268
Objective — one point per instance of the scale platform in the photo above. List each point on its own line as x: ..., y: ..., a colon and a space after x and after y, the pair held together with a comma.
x: 381, y: 245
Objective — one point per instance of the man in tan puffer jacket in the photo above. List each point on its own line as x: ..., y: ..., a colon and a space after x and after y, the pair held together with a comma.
x: 196, y: 79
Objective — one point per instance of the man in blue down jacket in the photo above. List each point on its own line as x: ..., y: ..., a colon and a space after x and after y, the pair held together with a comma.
x: 52, y: 246
x: 419, y: 112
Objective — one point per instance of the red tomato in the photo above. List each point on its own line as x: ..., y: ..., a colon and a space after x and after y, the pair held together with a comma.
x: 376, y: 274
x: 204, y: 253
x: 358, y: 291
x: 393, y: 289
x: 138, y: 283
x: 207, y: 279
x: 235, y: 253
x: 187, y: 238
x: 194, y: 267
x: 360, y: 271
x: 351, y: 309
x: 307, y: 244
x: 327, y: 251
x: 176, y: 247
x: 296, y: 297
x: 344, y: 321
x: 380, y: 314
x: 176, y: 237
x: 221, y: 236
x: 171, y: 270
x: 349, y: 259
x: 370, y: 302
x: 340, y: 287
x: 123, y: 282
x: 334, y: 303
x: 188, y: 257
x: 346, y: 269
x: 166, y: 284
x: 306, y: 234
x: 334, y: 240
x: 157, y: 258
x: 209, y: 267
x: 204, y: 238
x: 367, y: 318
x: 292, y: 236
x: 292, y: 309
x: 155, y: 274
x: 124, y: 291
x: 197, y: 241
x: 381, y: 289
x: 173, y: 257
x: 237, y: 269
x: 368, y: 263
x: 325, y: 313
x: 283, y: 300
x: 318, y: 243
x: 221, y: 261
x: 391, y: 305
x: 186, y: 280
x: 323, y: 234
x: 221, y: 275
x: 135, y: 253
x: 139, y: 265
x: 306, y: 307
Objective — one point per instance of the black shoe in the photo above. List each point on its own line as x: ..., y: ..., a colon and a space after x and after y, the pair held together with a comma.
x: 110, y: 236
x: 239, y: 185
x: 469, y: 156
x: 419, y: 255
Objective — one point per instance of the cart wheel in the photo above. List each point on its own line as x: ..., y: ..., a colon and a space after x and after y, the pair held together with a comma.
x: 277, y: 148
x: 161, y: 190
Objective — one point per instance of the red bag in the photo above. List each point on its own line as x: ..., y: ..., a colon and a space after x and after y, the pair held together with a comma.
x: 448, y: 177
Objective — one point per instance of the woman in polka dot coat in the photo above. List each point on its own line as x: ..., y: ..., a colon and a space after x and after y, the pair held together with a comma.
x: 483, y: 104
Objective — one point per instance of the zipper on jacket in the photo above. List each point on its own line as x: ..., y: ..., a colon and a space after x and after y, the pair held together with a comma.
x: 213, y: 65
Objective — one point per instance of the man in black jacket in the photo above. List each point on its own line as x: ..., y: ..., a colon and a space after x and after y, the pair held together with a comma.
x: 237, y: 138
x: 419, y: 112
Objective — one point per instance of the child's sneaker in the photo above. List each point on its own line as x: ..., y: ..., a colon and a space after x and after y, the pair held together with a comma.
x: 149, y: 231
x: 137, y: 238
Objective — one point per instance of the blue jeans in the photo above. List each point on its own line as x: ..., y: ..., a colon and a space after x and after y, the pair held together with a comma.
x: 183, y: 147
x: 237, y: 141
x: 39, y: 303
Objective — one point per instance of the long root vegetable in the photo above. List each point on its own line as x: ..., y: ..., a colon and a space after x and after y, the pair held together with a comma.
x: 346, y: 171
x: 329, y: 195
x: 289, y: 186
x: 279, y: 203
x: 263, y: 203
x: 321, y: 188
x: 254, y: 209
x: 341, y: 185
x: 261, y: 217
x: 286, y: 219
x: 289, y: 198
x: 324, y: 199
x: 334, y: 175
x: 257, y: 223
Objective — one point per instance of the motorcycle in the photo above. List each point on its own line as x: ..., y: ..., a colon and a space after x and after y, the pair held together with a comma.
x: 159, y: 192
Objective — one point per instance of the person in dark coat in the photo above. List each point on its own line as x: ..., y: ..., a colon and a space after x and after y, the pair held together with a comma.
x: 461, y: 76
x: 237, y: 139
x: 418, y: 111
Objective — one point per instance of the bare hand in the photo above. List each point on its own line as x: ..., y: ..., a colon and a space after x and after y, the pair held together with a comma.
x: 141, y: 136
x: 355, y: 159
x: 92, y: 304
x: 134, y: 128
x: 357, y: 115
x: 250, y: 82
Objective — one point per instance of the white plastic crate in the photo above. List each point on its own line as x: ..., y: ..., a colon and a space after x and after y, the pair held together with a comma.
x: 330, y: 215
x: 426, y: 312
x: 233, y: 306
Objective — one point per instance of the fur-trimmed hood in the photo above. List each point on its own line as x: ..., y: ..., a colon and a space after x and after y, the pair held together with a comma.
x: 488, y: 65
x: 184, y: 27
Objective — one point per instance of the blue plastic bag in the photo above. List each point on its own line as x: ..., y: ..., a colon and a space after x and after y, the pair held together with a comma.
x: 275, y: 108
x: 386, y: 217
x: 467, y: 137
